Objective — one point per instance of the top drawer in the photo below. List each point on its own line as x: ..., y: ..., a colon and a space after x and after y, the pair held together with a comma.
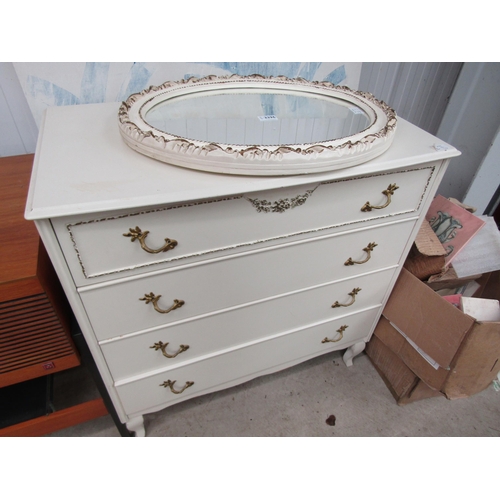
x: 107, y: 244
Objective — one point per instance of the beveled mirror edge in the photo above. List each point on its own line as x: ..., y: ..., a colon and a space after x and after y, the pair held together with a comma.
x: 256, y: 160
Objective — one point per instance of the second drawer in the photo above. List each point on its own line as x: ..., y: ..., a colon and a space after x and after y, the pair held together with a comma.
x: 142, y: 353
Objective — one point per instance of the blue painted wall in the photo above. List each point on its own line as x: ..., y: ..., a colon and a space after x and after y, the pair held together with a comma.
x: 61, y: 84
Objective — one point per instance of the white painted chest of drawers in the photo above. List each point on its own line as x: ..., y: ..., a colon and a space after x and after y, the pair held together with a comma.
x: 186, y: 282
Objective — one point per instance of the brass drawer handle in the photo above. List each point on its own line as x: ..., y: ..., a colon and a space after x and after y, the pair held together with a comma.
x: 353, y: 294
x: 340, y: 331
x: 163, y: 347
x: 151, y: 297
x: 137, y: 234
x: 170, y: 384
x: 368, y: 249
x: 368, y: 207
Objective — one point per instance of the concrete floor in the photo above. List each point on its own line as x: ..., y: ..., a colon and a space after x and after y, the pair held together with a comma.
x: 298, y: 401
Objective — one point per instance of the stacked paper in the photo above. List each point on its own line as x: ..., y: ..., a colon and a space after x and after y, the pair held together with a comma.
x: 481, y: 309
x: 482, y: 253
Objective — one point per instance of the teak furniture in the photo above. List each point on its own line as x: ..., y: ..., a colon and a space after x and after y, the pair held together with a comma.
x: 35, y: 339
x: 186, y: 282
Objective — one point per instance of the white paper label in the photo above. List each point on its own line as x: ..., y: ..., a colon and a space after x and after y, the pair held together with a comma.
x: 356, y: 111
x: 267, y: 118
x: 441, y: 147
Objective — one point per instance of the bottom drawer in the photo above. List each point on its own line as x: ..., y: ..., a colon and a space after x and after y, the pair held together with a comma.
x: 227, y: 369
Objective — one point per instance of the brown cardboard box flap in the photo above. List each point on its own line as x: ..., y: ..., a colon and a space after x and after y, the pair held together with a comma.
x: 400, y: 378
x: 436, y: 326
x: 427, y: 242
x: 403, y: 384
x: 423, y: 266
x: 477, y: 363
x: 427, y: 254
x: 412, y: 359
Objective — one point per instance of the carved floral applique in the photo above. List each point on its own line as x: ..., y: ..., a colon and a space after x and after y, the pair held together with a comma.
x: 282, y: 205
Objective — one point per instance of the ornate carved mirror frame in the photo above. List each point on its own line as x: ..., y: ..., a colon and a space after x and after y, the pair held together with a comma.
x: 257, y: 159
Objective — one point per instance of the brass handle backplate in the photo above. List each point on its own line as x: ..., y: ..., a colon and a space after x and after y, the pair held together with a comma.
x: 163, y: 347
x: 170, y: 384
x: 353, y: 294
x: 340, y: 331
x: 137, y: 234
x: 151, y: 297
x: 368, y: 249
x: 368, y: 207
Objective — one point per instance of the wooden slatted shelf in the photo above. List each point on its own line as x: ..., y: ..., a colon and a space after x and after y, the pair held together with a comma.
x: 35, y: 335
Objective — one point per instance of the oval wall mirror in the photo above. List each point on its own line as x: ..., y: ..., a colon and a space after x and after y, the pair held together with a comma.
x: 255, y: 125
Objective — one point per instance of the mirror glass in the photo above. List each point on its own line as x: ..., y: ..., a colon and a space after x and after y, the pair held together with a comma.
x: 245, y: 116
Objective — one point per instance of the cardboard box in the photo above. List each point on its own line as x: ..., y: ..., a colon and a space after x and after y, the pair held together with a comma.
x: 465, y: 352
x: 403, y: 384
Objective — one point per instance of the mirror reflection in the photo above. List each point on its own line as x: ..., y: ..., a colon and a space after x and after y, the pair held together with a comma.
x: 246, y: 117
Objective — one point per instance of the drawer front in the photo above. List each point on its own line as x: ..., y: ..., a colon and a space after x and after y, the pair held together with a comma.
x: 108, y: 244
x: 226, y: 369
x: 149, y: 351
x: 126, y: 307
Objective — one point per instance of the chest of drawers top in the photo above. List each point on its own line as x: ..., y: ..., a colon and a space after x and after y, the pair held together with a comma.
x: 82, y: 166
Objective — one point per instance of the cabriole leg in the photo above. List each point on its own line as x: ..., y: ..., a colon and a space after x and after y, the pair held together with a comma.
x: 136, y: 425
x: 354, y: 350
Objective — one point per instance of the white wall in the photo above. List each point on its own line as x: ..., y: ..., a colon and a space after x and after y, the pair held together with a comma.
x: 26, y: 89
x: 470, y: 124
x: 417, y: 91
x: 484, y: 186
x: 59, y: 84
x: 18, y: 131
